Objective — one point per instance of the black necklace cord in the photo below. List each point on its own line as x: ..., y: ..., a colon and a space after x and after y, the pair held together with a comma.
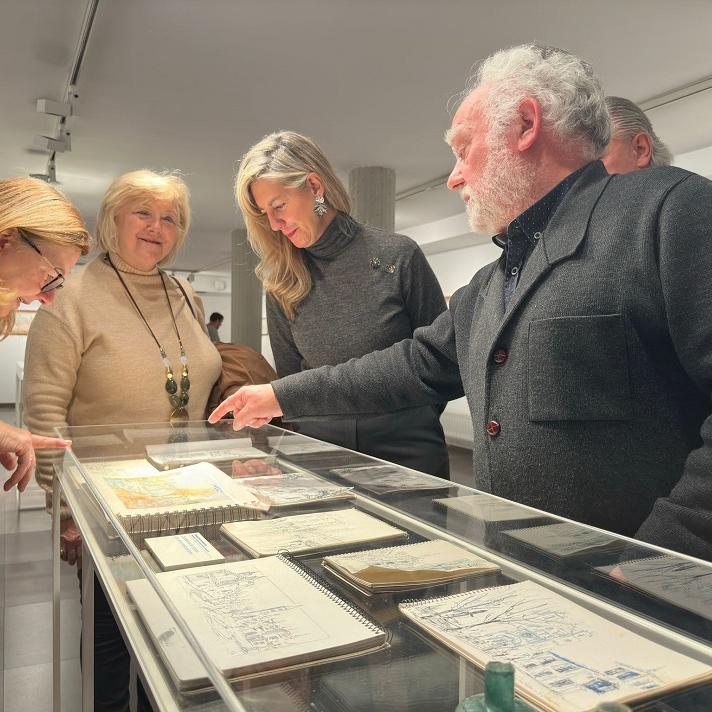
x: 140, y: 313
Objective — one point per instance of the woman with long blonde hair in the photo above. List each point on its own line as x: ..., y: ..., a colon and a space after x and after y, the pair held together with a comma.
x: 336, y: 289
x: 41, y: 237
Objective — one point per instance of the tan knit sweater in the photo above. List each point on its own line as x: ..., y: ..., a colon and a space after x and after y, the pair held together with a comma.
x: 91, y: 361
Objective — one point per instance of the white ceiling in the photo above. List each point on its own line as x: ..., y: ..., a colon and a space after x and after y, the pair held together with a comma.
x: 191, y: 84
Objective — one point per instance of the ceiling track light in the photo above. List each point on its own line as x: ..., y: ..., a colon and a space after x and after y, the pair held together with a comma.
x: 62, y: 143
x: 64, y: 110
x: 50, y: 176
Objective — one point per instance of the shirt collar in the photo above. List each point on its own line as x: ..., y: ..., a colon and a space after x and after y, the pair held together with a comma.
x: 536, y: 217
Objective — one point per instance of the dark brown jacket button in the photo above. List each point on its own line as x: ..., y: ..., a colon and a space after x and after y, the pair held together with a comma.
x: 500, y: 356
x: 493, y: 428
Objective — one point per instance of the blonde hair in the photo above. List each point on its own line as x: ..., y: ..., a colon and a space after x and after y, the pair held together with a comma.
x: 40, y: 209
x: 287, y: 158
x: 139, y: 186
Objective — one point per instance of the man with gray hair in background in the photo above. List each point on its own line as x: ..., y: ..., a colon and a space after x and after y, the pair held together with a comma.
x: 634, y: 144
x: 585, y: 350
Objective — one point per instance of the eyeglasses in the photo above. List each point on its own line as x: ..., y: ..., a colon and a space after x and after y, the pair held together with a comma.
x: 55, y: 282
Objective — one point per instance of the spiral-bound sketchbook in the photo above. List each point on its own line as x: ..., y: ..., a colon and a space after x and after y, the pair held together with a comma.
x: 253, y: 618
x: 298, y: 445
x: 119, y: 468
x: 188, y: 453
x: 567, y: 659
x: 387, y: 479
x: 488, y: 509
x: 291, y: 489
x: 676, y: 581
x: 188, y: 496
x: 407, y: 567
x: 310, y: 533
x: 565, y: 539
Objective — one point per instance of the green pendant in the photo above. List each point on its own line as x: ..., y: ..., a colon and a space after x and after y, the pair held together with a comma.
x: 171, y: 385
x: 179, y: 415
x: 185, y: 382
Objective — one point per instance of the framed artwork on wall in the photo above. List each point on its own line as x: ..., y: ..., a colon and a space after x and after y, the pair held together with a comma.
x: 23, y: 319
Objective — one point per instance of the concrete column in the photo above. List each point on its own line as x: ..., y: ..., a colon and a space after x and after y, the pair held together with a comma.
x: 373, y: 196
x: 246, y: 294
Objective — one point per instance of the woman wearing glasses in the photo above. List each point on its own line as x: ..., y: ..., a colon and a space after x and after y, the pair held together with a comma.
x: 41, y: 237
x: 134, y: 349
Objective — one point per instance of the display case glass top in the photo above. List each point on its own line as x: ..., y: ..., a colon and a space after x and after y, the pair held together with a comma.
x: 266, y: 570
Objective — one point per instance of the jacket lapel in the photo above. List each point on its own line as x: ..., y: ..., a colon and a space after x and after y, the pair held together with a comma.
x: 562, y: 237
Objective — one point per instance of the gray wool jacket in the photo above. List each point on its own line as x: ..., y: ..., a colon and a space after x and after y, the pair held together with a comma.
x: 603, y: 401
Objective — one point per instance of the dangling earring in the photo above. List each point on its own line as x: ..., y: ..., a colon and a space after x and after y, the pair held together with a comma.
x: 319, y: 207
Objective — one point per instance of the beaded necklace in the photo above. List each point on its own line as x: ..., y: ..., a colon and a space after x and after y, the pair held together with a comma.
x: 177, y: 400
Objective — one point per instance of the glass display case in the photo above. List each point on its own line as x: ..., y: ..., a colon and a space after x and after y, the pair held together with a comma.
x: 221, y: 554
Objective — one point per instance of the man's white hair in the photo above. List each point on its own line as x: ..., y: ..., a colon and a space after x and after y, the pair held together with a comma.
x: 571, y: 97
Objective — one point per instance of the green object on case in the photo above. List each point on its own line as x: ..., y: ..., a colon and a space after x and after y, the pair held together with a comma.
x: 499, y: 692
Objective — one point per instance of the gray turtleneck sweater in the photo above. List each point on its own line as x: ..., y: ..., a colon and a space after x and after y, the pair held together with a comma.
x: 369, y: 291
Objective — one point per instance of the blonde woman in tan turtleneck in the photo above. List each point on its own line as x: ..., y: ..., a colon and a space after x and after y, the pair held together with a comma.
x: 97, y: 356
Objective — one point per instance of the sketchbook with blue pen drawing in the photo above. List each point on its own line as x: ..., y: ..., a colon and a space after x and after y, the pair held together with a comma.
x: 567, y: 659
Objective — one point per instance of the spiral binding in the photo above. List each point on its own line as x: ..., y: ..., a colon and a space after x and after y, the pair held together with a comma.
x: 295, y: 697
x: 451, y: 596
x: 322, y: 585
x: 383, y: 550
x: 176, y: 521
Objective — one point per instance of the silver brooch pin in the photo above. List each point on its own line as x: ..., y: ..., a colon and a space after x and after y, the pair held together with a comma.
x: 375, y: 262
x: 390, y: 268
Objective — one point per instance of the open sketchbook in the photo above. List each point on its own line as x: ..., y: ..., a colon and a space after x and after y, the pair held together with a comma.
x: 567, y: 658
x: 681, y: 583
x: 310, y: 533
x: 488, y: 509
x: 565, y: 539
x: 386, y: 479
x: 187, y: 453
x: 294, y: 488
x: 253, y: 618
x: 407, y: 567
x: 189, y: 496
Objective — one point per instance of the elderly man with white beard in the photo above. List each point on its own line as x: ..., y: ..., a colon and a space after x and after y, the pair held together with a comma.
x: 585, y: 350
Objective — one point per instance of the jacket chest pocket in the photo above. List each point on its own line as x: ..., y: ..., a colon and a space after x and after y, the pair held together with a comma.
x: 578, y: 369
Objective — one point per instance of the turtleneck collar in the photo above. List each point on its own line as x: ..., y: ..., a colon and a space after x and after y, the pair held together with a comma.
x: 124, y: 266
x: 336, y: 238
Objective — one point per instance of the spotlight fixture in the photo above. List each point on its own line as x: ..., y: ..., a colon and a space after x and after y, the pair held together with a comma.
x: 54, y: 108
x: 60, y: 144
